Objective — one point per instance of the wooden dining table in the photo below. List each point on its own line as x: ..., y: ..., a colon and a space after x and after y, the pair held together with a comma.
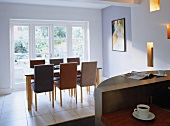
x: 29, y: 73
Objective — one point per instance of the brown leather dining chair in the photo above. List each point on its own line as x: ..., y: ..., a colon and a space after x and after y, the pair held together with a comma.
x: 36, y: 62
x: 77, y: 60
x: 88, y: 76
x: 68, y: 78
x: 73, y: 60
x: 56, y: 61
x: 43, y: 81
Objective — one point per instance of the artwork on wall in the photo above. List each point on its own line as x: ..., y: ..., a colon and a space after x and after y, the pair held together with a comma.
x: 118, y: 35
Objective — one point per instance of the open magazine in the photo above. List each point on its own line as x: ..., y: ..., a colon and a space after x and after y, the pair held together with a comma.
x: 140, y: 75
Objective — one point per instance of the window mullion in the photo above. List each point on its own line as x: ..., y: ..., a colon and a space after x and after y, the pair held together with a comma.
x: 32, y: 46
x: 51, y: 40
x: 69, y: 41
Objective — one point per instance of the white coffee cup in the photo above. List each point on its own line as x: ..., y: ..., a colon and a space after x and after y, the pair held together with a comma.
x: 161, y: 72
x: 142, y: 111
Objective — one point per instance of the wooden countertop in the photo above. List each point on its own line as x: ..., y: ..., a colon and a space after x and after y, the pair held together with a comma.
x: 125, y: 118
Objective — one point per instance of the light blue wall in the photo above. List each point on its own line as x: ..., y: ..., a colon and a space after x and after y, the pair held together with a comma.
x: 115, y: 63
x: 142, y: 26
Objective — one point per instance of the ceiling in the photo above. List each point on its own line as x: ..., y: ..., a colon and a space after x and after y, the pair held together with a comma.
x: 98, y: 4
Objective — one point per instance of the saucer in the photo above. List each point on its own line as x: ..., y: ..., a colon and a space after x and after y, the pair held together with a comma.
x: 150, y: 117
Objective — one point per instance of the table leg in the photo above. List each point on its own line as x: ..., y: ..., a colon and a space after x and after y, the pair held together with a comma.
x: 98, y: 77
x: 28, y: 91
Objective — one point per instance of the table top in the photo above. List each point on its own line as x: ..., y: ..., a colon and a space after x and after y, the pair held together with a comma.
x: 30, y: 71
x: 125, y: 118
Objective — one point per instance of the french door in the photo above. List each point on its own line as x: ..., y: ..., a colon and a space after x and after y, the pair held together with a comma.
x: 20, y: 54
x: 43, y: 41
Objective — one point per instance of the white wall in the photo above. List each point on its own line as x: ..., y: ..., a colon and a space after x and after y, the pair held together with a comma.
x: 150, y: 26
x: 146, y: 27
x: 21, y: 11
x: 114, y: 62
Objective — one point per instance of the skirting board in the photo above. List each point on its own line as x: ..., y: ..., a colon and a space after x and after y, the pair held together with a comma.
x: 5, y: 91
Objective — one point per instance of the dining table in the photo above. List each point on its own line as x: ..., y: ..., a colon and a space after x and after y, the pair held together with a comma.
x: 29, y: 73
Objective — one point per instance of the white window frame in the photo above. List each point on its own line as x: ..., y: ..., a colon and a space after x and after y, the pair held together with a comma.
x: 51, y: 24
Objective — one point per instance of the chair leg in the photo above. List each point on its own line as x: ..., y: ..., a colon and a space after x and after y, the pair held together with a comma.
x: 55, y: 91
x: 60, y: 97
x: 75, y: 94
x: 35, y: 102
x: 32, y: 97
x: 89, y: 89
x: 69, y: 91
x: 81, y: 94
x: 53, y: 98
x: 50, y: 95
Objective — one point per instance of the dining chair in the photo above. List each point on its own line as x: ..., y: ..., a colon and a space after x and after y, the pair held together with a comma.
x: 88, y: 76
x: 56, y: 61
x: 43, y: 81
x: 73, y: 60
x: 36, y: 62
x: 68, y: 78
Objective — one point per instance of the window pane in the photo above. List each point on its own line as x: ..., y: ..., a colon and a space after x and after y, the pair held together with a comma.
x: 77, y: 32
x: 60, y: 42
x: 78, y: 48
x: 42, y: 49
x: 21, y: 40
x: 78, y: 42
x: 41, y: 32
x: 59, y: 32
x: 60, y: 48
x: 21, y: 32
x: 42, y: 42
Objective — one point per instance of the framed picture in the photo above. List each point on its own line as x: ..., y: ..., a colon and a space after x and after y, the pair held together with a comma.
x: 118, y: 35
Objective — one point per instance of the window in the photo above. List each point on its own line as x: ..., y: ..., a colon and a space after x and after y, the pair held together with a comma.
x: 45, y: 39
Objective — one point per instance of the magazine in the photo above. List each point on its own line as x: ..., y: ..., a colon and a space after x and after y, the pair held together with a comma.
x: 140, y: 75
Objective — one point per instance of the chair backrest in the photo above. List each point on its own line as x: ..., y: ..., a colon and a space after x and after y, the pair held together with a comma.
x: 88, y: 73
x: 36, y: 62
x: 73, y: 60
x: 43, y: 78
x: 56, y: 61
x: 68, y: 75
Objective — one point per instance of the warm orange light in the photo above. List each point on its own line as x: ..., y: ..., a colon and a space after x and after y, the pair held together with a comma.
x: 154, y: 5
x: 168, y: 31
x: 150, y: 53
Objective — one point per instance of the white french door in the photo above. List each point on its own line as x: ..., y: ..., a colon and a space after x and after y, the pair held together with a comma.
x: 44, y: 40
x: 20, y: 50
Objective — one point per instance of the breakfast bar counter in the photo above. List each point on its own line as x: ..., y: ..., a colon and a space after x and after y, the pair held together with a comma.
x: 120, y: 92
